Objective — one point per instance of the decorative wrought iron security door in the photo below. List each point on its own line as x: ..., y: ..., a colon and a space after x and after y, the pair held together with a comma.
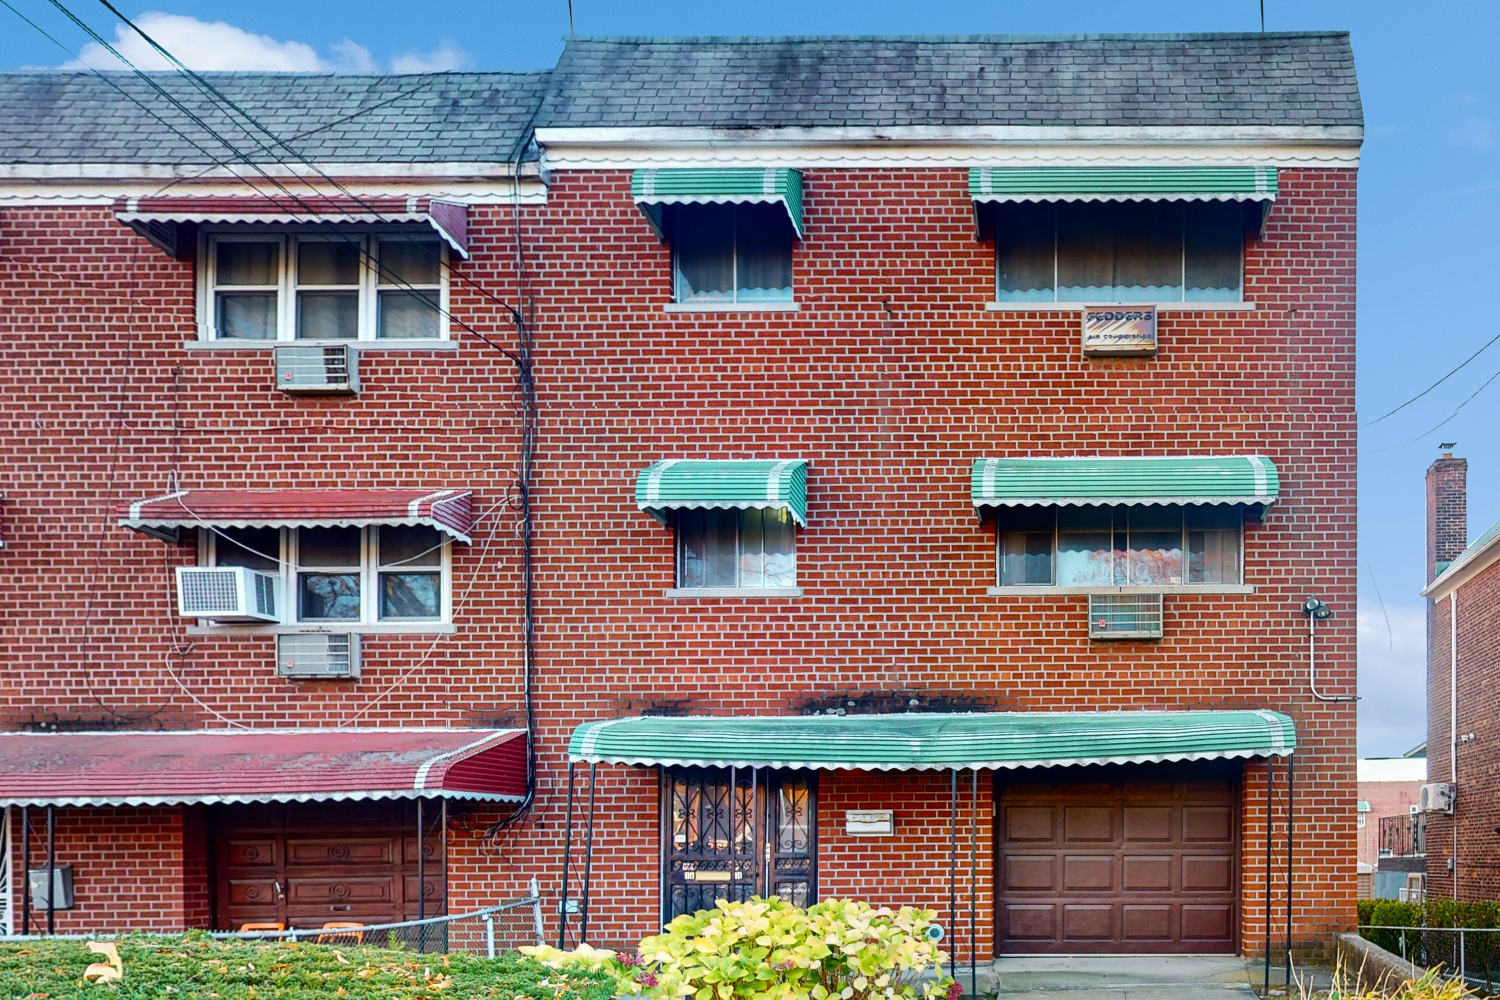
x: 732, y: 833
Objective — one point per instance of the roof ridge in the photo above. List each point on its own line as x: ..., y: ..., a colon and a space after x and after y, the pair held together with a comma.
x: 951, y: 39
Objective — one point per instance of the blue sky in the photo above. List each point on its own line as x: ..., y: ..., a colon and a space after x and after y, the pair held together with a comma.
x: 1427, y: 219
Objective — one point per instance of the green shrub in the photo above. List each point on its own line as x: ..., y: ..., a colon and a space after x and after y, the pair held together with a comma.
x: 771, y: 950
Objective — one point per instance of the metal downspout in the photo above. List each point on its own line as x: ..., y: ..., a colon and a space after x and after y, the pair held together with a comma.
x: 1453, y: 721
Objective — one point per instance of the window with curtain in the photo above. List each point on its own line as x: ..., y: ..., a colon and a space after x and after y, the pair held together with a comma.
x: 734, y: 548
x: 737, y: 253
x: 1130, y: 251
x: 1144, y: 546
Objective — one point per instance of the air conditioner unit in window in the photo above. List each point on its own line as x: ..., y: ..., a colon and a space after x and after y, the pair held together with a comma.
x: 1436, y: 797
x: 328, y: 369
x: 318, y: 655
x: 228, y: 594
x: 1125, y: 616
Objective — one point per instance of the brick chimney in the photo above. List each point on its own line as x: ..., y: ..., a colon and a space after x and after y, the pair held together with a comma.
x: 1447, y: 512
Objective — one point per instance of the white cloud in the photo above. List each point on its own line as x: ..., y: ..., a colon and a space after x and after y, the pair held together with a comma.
x: 217, y: 45
x: 1392, y: 678
x: 352, y: 57
x: 441, y: 59
x: 201, y: 45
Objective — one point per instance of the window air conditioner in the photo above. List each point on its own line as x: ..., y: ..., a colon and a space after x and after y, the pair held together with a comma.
x: 1436, y: 797
x: 1125, y: 616
x: 318, y: 656
x: 328, y: 369
x: 228, y: 594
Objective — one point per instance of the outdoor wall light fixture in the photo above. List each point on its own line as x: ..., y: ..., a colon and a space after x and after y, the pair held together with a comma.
x: 1316, y: 611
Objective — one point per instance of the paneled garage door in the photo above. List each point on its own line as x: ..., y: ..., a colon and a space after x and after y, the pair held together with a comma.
x: 1140, y: 858
x: 303, y: 864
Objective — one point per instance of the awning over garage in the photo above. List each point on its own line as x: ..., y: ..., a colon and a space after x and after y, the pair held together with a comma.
x: 268, y: 765
x: 919, y: 742
x: 449, y: 511
x: 170, y: 222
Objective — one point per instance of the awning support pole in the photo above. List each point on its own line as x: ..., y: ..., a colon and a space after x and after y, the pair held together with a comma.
x: 588, y: 856
x: 1270, y: 781
x: 25, y: 869
x: 51, y: 868
x: 421, y: 882
x: 953, y: 870
x: 562, y: 905
x: 973, y: 882
x: 443, y: 843
x: 1291, y: 779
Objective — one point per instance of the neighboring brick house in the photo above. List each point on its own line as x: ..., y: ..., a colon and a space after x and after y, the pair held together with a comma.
x: 1463, y: 728
x: 846, y: 539
x: 1388, y: 824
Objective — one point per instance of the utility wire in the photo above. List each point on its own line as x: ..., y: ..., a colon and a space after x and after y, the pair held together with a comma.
x: 1444, y: 420
x: 1433, y: 385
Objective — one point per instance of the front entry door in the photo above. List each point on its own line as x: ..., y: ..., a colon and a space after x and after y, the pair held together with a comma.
x: 732, y: 833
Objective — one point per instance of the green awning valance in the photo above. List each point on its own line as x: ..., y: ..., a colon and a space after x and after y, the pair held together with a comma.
x: 750, y: 483
x: 652, y: 188
x: 1029, y: 482
x: 924, y: 742
x: 1122, y: 183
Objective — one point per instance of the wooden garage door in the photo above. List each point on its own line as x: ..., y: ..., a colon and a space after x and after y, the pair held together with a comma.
x: 304, y: 864
x: 1117, y: 859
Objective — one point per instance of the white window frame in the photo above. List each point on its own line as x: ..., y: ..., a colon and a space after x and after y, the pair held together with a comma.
x: 369, y: 619
x: 677, y: 590
x: 287, y: 238
x: 1183, y: 587
x: 734, y: 300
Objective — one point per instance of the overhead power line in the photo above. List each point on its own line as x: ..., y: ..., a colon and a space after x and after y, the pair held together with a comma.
x: 1434, y: 385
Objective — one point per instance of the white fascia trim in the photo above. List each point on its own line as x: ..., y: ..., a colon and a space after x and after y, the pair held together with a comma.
x: 1463, y: 571
x: 624, y: 149
x: 57, y: 192
x: 966, y: 135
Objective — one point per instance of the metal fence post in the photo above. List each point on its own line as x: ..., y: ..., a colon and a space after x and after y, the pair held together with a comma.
x: 1462, y: 969
x: 536, y: 910
x: 489, y: 936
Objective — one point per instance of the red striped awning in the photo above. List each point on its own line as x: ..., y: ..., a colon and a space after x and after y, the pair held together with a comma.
x: 265, y: 765
x: 449, y: 511
x: 158, y: 219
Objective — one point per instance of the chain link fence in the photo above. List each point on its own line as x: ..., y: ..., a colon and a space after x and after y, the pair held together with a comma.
x: 1470, y: 953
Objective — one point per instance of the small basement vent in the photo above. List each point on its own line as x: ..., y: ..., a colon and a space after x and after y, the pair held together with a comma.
x: 318, y: 656
x: 227, y: 594
x: 1125, y: 616
x: 330, y: 369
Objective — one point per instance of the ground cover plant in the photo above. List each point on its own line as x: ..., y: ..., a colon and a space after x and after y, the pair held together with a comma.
x: 198, y: 967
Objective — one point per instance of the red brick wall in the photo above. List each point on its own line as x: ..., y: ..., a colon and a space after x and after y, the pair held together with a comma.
x: 1447, y: 511
x: 1477, y: 813
x: 890, y: 380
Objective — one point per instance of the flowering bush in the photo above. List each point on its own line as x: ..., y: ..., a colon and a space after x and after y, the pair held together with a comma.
x: 767, y: 949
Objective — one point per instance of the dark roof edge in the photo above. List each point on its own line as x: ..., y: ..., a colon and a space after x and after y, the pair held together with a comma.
x: 288, y: 74
x: 781, y: 39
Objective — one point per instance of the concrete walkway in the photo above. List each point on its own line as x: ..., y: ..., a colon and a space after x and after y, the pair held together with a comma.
x: 1122, y: 977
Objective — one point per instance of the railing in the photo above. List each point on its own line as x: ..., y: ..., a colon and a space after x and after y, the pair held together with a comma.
x: 1403, y: 836
x: 1471, y: 952
x: 487, y: 932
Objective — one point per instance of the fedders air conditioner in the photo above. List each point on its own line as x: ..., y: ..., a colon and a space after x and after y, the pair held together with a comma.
x: 324, y: 369
x: 318, y: 655
x: 228, y: 594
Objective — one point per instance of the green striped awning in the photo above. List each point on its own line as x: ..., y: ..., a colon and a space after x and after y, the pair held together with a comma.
x: 925, y: 742
x: 1081, y: 482
x: 654, y: 187
x: 678, y: 482
x: 1122, y: 183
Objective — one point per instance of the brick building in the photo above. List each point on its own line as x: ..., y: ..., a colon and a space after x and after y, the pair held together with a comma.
x: 1390, y: 828
x: 1463, y: 840
x: 812, y: 524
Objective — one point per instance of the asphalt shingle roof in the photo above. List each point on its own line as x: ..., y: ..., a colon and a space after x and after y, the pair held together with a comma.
x: 65, y: 117
x: 1283, y: 78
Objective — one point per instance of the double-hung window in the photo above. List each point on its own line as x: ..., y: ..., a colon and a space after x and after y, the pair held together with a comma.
x: 747, y: 549
x: 735, y: 253
x: 1125, y: 251
x: 321, y: 285
x: 1132, y: 546
x: 385, y: 574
